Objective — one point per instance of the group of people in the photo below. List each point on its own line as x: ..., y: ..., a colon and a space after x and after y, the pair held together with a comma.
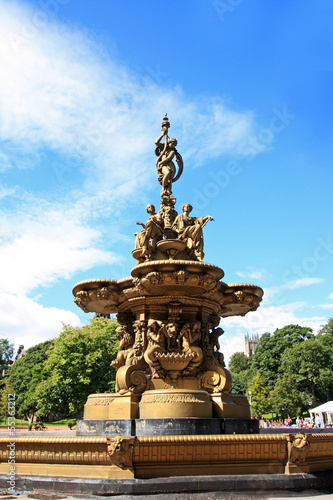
x: 307, y: 423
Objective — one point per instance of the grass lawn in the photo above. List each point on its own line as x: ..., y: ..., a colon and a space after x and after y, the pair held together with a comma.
x: 24, y: 423
x: 18, y: 422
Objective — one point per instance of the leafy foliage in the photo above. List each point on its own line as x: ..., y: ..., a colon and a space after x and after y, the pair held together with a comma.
x: 310, y: 364
x: 327, y: 329
x: 239, y: 362
x: 78, y: 365
x: 241, y: 371
x: 286, y: 399
x: 291, y: 367
x: 24, y: 377
x: 260, y: 400
x: 6, y: 354
x: 269, y: 352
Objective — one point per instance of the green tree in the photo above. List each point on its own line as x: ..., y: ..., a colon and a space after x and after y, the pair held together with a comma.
x: 24, y: 376
x: 267, y: 358
x: 260, y: 400
x: 6, y: 354
x: 310, y: 364
x: 240, y: 369
x: 286, y: 399
x: 325, y: 384
x: 327, y: 329
x: 239, y: 362
x: 78, y: 365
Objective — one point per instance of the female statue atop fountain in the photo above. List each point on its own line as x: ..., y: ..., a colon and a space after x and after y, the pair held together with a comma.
x: 166, y: 169
x: 189, y: 229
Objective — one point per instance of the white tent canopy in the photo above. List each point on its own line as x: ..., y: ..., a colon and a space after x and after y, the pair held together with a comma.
x: 324, y: 411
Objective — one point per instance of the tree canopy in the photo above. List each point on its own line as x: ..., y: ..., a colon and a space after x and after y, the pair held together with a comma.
x: 57, y: 376
x: 260, y: 399
x: 6, y: 354
x: 269, y: 352
x: 291, y: 370
x: 24, y: 377
x: 78, y: 364
x: 241, y: 368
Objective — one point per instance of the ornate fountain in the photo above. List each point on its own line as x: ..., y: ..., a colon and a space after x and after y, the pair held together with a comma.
x: 169, y: 365
x: 172, y: 417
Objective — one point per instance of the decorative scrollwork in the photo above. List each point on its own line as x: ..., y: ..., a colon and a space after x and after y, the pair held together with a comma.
x: 216, y: 379
x: 210, y: 381
x: 137, y: 382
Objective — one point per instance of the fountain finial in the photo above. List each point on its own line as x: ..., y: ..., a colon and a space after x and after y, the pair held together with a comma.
x: 166, y: 169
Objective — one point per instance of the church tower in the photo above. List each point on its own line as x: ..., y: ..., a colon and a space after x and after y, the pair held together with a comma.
x: 251, y: 344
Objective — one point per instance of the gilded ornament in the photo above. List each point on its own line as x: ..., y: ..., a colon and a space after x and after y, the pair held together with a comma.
x: 120, y: 450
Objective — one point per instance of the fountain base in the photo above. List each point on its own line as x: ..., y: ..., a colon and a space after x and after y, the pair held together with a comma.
x: 167, y: 427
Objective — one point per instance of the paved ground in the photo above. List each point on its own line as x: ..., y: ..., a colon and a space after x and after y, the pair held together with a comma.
x: 305, y: 495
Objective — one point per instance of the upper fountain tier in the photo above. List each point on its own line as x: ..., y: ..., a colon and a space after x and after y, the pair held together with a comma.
x: 169, y: 255
x: 167, y: 234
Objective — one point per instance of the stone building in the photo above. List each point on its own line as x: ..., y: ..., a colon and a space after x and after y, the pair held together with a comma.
x: 251, y: 344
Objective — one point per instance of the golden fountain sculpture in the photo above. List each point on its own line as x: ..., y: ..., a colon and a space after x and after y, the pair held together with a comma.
x: 172, y: 413
x: 169, y: 364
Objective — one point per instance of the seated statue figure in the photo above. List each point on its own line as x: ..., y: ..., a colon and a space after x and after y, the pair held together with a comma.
x: 126, y: 339
x: 189, y: 229
x: 152, y: 232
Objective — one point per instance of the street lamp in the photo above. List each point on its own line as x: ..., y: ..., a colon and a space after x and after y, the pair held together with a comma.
x: 250, y: 394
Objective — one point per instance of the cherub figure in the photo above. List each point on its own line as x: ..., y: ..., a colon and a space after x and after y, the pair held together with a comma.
x: 214, y: 341
x: 189, y: 335
x: 156, y: 344
x: 170, y: 331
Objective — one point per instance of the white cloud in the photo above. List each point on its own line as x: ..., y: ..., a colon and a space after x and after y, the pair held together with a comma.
x: 230, y: 345
x: 256, y: 274
x: 25, y: 322
x: 329, y: 305
x: 275, y: 293
x: 293, y: 285
x: 6, y: 192
x: 41, y: 250
x: 60, y: 91
x: 269, y: 318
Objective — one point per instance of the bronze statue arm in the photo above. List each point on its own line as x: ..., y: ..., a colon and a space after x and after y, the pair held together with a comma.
x: 158, y: 140
x: 202, y: 221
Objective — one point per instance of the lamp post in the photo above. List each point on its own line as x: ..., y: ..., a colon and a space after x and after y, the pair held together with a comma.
x: 250, y: 394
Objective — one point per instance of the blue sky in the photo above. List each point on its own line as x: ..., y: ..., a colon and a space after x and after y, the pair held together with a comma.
x: 247, y: 86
